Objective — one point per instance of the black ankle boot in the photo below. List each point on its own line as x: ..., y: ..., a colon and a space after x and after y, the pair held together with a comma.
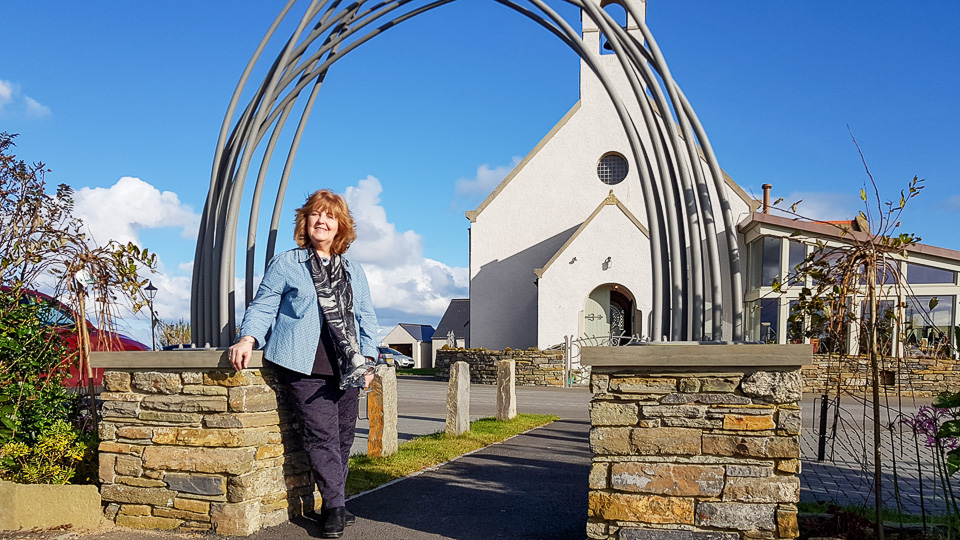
x: 334, y: 520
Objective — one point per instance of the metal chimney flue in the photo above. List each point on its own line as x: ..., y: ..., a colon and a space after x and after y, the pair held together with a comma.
x: 766, y: 197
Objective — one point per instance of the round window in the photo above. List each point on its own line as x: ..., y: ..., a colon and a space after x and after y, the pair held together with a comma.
x: 612, y: 168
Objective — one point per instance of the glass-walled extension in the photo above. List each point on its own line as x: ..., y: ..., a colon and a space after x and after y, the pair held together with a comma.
x: 918, y: 313
x: 930, y: 325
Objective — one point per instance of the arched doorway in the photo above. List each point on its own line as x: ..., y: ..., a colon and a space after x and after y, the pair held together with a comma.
x: 610, y: 314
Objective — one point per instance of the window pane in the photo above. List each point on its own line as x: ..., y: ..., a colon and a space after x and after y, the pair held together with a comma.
x: 795, y: 326
x: 886, y: 323
x: 755, y: 256
x: 927, y: 331
x: 753, y: 320
x: 769, y: 319
x: 771, y: 260
x: 798, y: 252
x: 918, y: 273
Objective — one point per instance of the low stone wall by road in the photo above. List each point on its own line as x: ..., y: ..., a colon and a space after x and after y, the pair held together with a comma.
x: 195, y: 446
x: 695, y: 442
x: 918, y: 377
x: 533, y: 367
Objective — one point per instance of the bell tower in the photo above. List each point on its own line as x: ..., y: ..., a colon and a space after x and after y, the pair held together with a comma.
x: 626, y: 14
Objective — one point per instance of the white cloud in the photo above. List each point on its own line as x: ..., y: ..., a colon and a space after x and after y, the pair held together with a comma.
x: 6, y: 93
x: 377, y: 239
x: 120, y: 211
x: 823, y: 206
x: 10, y: 95
x: 400, y: 277
x: 952, y: 203
x: 35, y: 109
x: 486, y: 179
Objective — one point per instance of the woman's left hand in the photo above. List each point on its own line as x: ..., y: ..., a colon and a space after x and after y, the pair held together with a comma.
x: 368, y: 376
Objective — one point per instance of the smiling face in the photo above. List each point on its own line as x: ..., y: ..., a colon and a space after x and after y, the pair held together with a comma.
x: 322, y: 228
x: 324, y: 223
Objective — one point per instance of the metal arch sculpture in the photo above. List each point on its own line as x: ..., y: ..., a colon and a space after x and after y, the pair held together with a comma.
x: 325, y: 34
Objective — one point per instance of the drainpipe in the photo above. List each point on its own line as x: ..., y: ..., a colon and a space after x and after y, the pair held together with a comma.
x: 766, y: 198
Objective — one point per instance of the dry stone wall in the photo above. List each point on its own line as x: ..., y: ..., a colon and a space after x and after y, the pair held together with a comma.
x: 687, y: 455
x: 532, y: 367
x: 205, y: 450
x: 918, y: 377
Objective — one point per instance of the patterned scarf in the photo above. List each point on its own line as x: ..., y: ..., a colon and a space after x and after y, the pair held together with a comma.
x: 336, y: 307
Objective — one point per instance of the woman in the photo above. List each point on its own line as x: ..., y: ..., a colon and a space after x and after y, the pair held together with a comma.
x: 313, y: 311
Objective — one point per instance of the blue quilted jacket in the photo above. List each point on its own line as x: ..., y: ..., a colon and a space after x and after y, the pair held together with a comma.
x: 286, y: 316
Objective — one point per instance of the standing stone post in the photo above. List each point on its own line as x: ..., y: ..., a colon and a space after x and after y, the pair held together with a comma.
x: 382, y: 411
x: 506, y: 390
x: 695, y: 442
x: 458, y: 399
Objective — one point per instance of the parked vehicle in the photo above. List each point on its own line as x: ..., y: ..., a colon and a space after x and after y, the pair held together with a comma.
x: 61, y: 318
x: 395, y: 357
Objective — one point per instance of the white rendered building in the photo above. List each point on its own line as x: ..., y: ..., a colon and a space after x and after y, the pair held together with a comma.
x: 561, y: 246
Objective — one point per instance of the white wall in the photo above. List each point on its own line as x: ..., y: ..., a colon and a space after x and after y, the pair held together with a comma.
x: 564, y: 287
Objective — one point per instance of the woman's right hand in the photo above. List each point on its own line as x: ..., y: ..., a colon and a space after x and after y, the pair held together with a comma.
x: 239, y: 353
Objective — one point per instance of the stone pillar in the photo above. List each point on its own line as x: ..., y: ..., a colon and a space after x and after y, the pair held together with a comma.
x: 382, y: 411
x: 188, y: 443
x: 695, y: 442
x: 506, y: 390
x: 458, y: 399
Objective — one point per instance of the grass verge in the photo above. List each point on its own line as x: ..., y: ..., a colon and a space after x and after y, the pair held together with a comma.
x: 419, y: 371
x: 889, y: 515
x: 429, y: 450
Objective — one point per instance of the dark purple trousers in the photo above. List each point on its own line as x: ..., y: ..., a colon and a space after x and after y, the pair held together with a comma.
x: 328, y: 418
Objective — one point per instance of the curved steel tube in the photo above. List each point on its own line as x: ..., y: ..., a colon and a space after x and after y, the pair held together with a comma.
x: 213, y: 301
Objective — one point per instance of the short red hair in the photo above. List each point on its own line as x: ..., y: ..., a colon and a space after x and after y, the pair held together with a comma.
x: 320, y: 201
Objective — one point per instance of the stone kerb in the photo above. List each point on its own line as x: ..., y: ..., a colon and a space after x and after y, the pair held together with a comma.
x: 695, y: 442
x: 190, y: 444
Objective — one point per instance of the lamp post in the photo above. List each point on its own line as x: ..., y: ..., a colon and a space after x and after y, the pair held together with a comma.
x: 151, y: 294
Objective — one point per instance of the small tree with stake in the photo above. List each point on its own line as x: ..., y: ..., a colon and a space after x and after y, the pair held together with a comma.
x: 41, y: 242
x: 860, y: 262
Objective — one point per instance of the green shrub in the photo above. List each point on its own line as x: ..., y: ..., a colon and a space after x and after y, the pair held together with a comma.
x: 44, y: 437
x: 53, y: 459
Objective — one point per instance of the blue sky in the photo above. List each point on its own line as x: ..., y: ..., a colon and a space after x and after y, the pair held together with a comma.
x: 420, y: 123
